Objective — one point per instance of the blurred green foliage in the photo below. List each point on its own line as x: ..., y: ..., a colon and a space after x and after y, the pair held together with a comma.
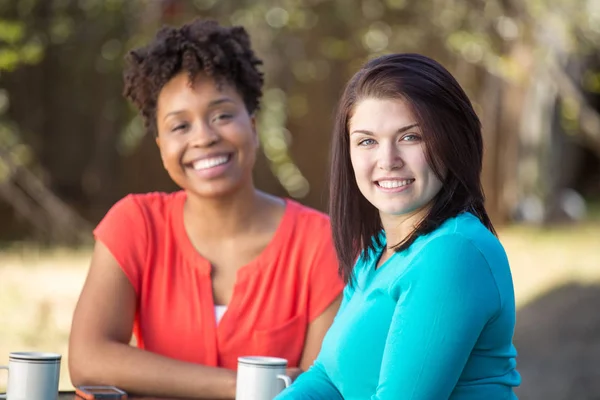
x: 75, y: 49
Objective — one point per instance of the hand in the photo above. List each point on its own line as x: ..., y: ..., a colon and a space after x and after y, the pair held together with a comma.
x: 293, y: 373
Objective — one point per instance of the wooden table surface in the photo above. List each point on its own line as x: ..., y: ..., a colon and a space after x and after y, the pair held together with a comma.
x: 71, y: 396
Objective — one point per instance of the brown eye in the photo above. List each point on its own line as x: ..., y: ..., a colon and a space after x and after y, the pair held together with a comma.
x: 222, y: 117
x: 179, y: 127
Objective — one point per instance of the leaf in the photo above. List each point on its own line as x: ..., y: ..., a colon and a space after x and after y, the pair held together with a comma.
x: 9, y: 59
x: 32, y: 52
x: 11, y: 32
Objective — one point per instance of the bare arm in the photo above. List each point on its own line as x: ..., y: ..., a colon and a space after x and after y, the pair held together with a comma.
x: 99, y: 350
x: 314, y: 337
x: 316, y: 332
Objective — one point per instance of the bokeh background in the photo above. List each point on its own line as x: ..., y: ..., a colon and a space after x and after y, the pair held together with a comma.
x: 70, y: 146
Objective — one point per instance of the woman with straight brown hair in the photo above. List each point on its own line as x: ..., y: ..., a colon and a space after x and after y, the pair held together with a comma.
x: 428, y: 311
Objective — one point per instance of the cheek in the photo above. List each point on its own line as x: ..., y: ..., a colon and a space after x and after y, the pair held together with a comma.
x: 353, y: 160
x: 359, y: 163
x: 418, y: 162
x: 244, y: 135
x: 169, y: 153
x: 433, y: 182
x: 251, y: 143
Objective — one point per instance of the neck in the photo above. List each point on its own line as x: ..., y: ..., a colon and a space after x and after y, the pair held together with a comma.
x: 399, y: 227
x: 225, y: 217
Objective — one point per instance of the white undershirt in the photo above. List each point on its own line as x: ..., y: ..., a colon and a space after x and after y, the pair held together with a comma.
x: 219, y: 311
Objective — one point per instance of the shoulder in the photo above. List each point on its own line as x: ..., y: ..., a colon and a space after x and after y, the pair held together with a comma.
x: 463, y: 234
x: 307, y: 215
x: 153, y: 201
x: 309, y: 225
x: 468, y: 229
x: 307, y: 243
x: 461, y: 253
x: 140, y: 211
x: 148, y: 206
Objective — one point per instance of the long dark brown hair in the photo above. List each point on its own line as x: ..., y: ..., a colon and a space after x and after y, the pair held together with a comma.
x: 453, y: 143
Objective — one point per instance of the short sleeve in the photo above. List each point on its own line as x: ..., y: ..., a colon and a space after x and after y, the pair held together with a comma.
x: 325, y: 281
x: 123, y: 232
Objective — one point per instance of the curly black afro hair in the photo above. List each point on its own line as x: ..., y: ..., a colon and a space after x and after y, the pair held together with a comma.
x: 201, y: 46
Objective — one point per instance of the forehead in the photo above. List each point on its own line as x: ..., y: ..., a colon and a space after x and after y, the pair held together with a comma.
x: 380, y: 115
x: 179, y: 92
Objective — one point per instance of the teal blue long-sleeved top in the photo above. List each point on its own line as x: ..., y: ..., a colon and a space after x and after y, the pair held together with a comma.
x: 433, y: 322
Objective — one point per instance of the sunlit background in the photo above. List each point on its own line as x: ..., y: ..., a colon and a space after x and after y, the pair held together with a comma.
x: 70, y: 146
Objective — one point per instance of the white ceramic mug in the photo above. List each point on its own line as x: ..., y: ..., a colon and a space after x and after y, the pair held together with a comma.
x: 32, y: 376
x: 261, y: 378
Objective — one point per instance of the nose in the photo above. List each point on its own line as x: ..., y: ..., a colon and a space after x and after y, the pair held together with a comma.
x: 203, y: 135
x: 388, y: 157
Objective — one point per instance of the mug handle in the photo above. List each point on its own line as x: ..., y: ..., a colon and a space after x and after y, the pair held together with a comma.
x: 3, y: 395
x: 287, y: 381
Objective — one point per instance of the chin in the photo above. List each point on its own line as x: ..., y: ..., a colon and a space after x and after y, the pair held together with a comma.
x: 397, y: 211
x: 217, y: 189
x: 392, y: 208
x: 214, y: 193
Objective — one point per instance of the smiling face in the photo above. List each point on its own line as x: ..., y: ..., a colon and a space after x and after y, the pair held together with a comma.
x: 387, y: 153
x: 206, y: 137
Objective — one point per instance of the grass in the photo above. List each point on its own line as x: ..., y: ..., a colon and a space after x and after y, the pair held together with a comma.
x: 39, y: 287
x: 542, y: 259
x: 38, y: 292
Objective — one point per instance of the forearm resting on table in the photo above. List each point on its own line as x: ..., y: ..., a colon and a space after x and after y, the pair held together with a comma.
x: 313, y: 384
x: 141, y: 372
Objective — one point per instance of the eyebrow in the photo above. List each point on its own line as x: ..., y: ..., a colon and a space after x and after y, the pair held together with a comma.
x: 211, y: 104
x: 369, y: 133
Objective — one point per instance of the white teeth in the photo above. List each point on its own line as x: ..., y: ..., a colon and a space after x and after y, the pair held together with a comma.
x: 394, y: 184
x: 209, y: 162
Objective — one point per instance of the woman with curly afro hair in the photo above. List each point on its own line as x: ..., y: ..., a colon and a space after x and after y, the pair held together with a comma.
x: 218, y: 269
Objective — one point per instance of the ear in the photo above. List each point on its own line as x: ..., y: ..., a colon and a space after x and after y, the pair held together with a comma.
x: 254, y: 131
